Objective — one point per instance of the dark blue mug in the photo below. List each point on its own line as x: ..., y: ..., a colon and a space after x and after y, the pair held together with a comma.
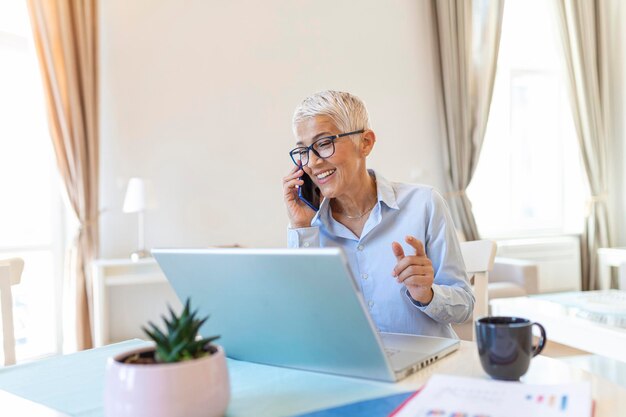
x: 505, y: 345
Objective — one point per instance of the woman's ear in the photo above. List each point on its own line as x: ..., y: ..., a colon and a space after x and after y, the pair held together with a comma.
x: 367, y: 142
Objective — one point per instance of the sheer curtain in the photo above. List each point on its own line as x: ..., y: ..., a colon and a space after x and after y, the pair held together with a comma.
x: 65, y: 33
x: 583, y: 31
x: 468, y: 37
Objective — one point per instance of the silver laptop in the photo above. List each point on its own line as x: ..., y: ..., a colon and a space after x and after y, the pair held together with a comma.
x: 296, y: 308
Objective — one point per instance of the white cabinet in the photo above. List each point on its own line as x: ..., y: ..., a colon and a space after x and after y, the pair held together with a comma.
x: 126, y: 295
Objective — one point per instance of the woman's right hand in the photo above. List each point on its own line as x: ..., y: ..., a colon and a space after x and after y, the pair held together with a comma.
x: 300, y: 215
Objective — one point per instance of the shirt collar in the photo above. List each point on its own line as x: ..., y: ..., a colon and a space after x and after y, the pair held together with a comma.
x: 324, y: 210
x: 385, y: 191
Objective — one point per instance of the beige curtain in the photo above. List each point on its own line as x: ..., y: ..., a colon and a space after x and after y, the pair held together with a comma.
x: 468, y: 38
x: 65, y: 33
x: 582, y: 25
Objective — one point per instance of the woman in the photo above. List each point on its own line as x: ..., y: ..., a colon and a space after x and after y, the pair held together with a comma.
x: 419, y: 288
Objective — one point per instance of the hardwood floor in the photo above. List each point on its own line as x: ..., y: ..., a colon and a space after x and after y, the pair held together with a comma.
x: 557, y: 350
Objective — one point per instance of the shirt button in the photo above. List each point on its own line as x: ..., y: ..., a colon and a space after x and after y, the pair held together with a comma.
x: 306, y: 244
x: 364, y: 276
x: 360, y: 247
x: 371, y: 303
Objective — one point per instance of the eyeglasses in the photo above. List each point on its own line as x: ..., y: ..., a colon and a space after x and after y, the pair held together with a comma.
x: 322, y: 148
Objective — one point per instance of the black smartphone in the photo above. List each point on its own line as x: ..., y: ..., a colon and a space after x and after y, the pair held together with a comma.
x: 309, y: 193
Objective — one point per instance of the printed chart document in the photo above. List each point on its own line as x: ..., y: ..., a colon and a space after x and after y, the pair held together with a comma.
x: 448, y: 396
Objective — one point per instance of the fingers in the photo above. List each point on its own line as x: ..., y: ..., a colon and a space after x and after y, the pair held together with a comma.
x: 408, y: 261
x: 290, y: 187
x: 292, y: 181
x: 417, y: 245
x: 295, y: 172
x: 417, y: 281
x: 397, y: 250
x: 403, y: 271
x: 412, y: 260
x: 415, y: 274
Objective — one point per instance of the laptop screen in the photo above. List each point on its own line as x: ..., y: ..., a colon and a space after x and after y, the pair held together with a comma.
x: 296, y: 308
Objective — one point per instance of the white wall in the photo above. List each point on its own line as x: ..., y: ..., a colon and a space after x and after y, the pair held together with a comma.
x: 197, y: 97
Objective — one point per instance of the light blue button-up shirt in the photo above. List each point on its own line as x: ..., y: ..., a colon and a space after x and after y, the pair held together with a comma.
x: 402, y: 209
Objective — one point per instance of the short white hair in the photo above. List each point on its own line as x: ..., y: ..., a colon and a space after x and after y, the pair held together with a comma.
x: 347, y: 111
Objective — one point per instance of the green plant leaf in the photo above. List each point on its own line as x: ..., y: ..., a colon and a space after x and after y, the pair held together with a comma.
x: 180, y: 341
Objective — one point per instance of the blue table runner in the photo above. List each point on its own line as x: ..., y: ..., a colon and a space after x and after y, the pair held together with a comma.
x: 74, y: 384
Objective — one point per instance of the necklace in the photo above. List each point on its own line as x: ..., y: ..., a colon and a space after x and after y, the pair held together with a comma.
x: 357, y: 216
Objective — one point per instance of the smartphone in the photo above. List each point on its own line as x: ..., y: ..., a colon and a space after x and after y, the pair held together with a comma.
x: 309, y: 192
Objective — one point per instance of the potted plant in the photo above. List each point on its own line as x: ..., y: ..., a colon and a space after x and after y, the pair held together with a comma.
x: 181, y: 375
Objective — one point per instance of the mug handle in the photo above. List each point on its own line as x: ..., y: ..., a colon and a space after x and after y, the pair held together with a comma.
x: 542, y: 340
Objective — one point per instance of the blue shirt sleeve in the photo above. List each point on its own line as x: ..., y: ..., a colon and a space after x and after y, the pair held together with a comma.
x: 304, y: 237
x: 453, y: 299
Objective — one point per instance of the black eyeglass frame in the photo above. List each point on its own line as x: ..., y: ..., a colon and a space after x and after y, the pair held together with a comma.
x: 310, y: 148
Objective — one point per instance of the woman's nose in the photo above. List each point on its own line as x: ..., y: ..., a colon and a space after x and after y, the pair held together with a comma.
x: 313, y: 159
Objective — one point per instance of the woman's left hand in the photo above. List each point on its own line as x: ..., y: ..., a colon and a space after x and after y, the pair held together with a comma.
x: 415, y: 272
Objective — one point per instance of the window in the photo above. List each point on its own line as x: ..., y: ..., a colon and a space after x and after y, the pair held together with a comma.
x: 529, y: 180
x: 31, y: 211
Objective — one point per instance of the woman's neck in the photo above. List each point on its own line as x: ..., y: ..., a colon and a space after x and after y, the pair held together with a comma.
x: 359, y: 201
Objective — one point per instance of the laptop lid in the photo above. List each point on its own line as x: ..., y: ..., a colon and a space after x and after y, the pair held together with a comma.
x: 297, y: 308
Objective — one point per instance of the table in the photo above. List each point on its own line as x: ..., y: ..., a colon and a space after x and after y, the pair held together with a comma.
x: 74, y: 383
x: 594, y: 321
x: 611, y: 257
x: 126, y: 295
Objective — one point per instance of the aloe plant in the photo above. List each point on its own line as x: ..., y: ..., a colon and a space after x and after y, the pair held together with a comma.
x: 180, y: 341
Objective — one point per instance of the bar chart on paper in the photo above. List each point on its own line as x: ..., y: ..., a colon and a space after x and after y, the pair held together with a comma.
x: 450, y: 396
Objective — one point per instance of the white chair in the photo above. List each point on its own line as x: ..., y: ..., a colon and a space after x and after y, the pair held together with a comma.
x: 621, y: 278
x: 478, y: 256
x: 513, y: 278
x: 10, y: 274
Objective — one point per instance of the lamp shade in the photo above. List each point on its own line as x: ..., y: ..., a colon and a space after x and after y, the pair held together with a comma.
x: 135, y: 199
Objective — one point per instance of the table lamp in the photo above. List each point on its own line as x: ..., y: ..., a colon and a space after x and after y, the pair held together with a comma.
x: 135, y: 202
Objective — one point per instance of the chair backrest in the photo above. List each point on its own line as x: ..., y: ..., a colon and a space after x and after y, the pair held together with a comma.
x: 621, y: 280
x: 478, y: 256
x: 10, y: 274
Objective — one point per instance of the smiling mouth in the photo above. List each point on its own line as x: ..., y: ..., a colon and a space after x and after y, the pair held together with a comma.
x: 325, y: 174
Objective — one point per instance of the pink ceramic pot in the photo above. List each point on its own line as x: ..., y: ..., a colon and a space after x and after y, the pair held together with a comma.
x: 195, y: 388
